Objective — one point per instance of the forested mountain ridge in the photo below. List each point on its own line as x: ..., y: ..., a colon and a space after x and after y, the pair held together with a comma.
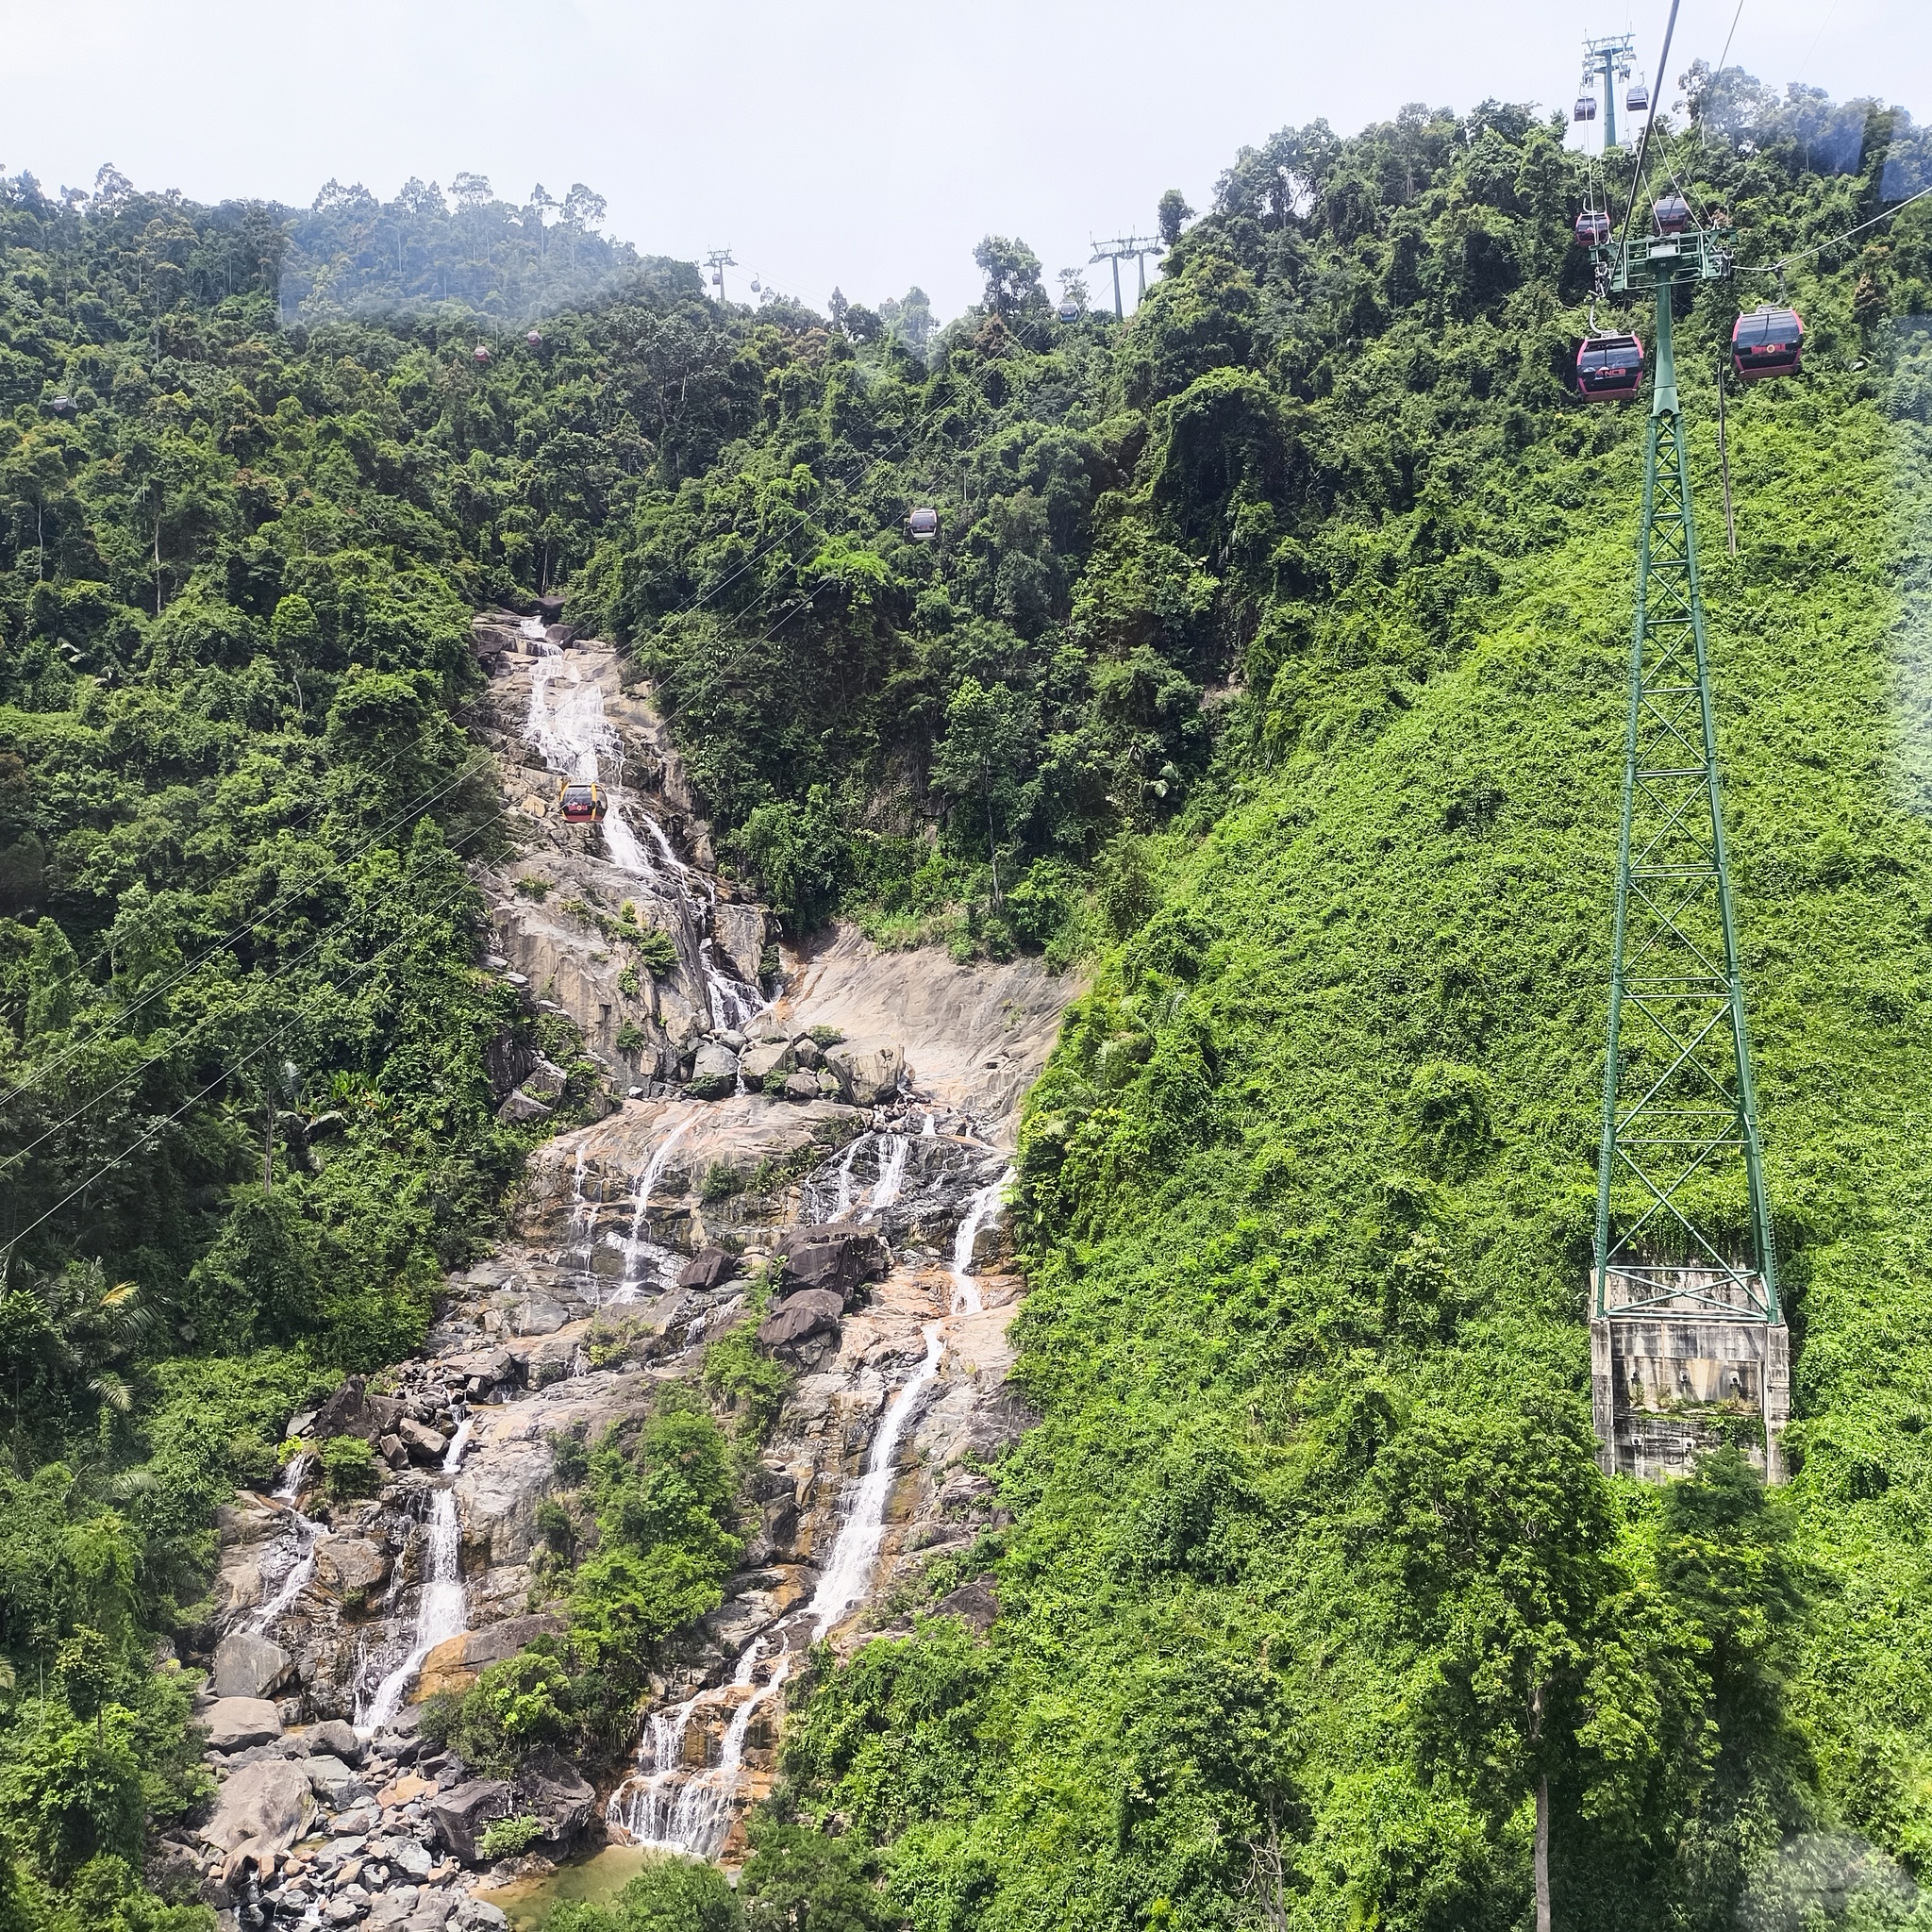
x: 1274, y: 646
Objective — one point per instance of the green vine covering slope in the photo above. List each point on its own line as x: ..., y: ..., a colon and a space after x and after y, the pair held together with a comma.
x: 1274, y: 647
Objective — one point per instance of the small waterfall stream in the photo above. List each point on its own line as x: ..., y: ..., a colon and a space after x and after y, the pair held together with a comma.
x: 443, y: 1611
x: 575, y: 739
x: 630, y: 1283
x: 671, y: 1805
x: 308, y: 1534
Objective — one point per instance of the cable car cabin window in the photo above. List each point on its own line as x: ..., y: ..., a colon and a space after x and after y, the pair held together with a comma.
x: 1767, y: 341
x: 1593, y: 229
x: 1610, y: 368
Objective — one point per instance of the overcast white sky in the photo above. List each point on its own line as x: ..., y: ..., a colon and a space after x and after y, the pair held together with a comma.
x: 867, y: 147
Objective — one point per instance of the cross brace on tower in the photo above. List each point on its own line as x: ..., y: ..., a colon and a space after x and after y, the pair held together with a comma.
x: 1140, y: 247
x: 1686, y: 1325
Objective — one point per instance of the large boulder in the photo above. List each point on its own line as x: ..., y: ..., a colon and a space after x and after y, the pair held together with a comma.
x: 337, y: 1739
x: 236, y: 1723
x: 458, y: 1816
x: 267, y: 1804
x: 249, y: 1664
x: 454, y: 1663
x: 353, y: 1411
x: 801, y: 1086
x: 764, y: 1059
x: 739, y: 931
x: 423, y: 1443
x: 348, y: 1564
x: 548, y: 1789
x: 520, y: 1109
x: 867, y: 1076
x: 707, y: 1268
x: 839, y: 1254
x: 799, y: 1317
x: 714, y: 1074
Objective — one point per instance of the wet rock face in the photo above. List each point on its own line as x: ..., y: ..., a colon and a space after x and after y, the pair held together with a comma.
x: 841, y: 1257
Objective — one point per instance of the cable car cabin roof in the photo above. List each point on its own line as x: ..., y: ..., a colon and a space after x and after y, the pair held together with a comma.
x: 1767, y: 341
x: 1672, y: 213
x: 1586, y: 108
x: 1608, y: 368
x: 1592, y: 228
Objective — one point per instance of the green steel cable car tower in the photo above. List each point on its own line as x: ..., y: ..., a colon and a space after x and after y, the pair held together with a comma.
x: 1608, y: 61
x: 1685, y: 1305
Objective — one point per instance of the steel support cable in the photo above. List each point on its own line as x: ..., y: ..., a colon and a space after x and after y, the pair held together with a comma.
x: 281, y: 970
x: 236, y: 1065
x: 1785, y: 262
x: 421, y: 801
x: 468, y: 769
x: 1649, y: 121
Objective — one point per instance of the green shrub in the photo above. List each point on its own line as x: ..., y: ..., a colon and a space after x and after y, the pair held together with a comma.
x: 350, y: 1467
x: 657, y: 949
x: 509, y: 1837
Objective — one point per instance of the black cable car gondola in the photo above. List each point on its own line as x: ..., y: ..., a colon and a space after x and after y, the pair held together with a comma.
x: 1767, y: 341
x: 1586, y: 108
x: 583, y: 801
x: 1592, y: 229
x: 923, y: 525
x: 1638, y: 100
x: 1070, y: 311
x: 1672, y: 213
x: 1608, y: 368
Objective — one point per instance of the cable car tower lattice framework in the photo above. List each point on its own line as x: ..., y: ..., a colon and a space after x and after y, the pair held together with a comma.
x: 1686, y: 1321
x: 1608, y: 61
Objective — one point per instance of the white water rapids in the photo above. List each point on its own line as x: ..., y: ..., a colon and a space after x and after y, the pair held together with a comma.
x: 443, y: 1611
x: 671, y: 1803
x: 566, y: 724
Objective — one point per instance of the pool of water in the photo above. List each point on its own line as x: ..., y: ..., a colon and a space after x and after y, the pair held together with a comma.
x: 528, y: 1900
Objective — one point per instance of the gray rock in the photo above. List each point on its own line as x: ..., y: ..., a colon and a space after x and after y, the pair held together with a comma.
x: 478, y: 1915
x: 547, y: 1080
x: 867, y: 1076
x: 344, y: 1564
x: 767, y: 1057
x: 714, y: 1074
x: 739, y: 931
x: 549, y: 1788
x: 798, y: 1317
x: 838, y: 1254
x: 267, y: 1805
x: 299, y: 1425
x: 807, y: 1053
x: 520, y: 1109
x: 236, y: 1723
x: 423, y: 1443
x: 329, y: 1776
x: 337, y: 1739
x: 707, y: 1268
x: 460, y: 1815
x: 974, y: 1604
x: 411, y: 1857
x: 801, y: 1087
x: 249, y: 1665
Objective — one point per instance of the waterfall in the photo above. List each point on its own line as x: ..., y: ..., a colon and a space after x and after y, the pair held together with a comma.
x: 842, y: 1202
x: 308, y: 1534
x: 444, y: 1611
x: 574, y: 737
x: 892, y: 1175
x: 931, y: 1127
x: 628, y: 1286
x: 981, y: 1212
x: 859, y: 1535
x: 669, y: 1806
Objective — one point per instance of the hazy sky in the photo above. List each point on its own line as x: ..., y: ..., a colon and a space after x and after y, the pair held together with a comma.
x: 867, y: 147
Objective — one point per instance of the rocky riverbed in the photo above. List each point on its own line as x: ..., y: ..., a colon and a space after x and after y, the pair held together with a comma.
x: 841, y: 1123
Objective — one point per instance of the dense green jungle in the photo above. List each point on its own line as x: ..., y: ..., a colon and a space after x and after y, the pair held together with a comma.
x: 1269, y: 669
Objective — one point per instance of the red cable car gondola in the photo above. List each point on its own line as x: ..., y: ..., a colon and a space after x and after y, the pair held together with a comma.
x: 480, y: 353
x: 584, y: 803
x: 923, y: 525
x: 1673, y: 214
x: 1767, y: 341
x: 1608, y: 368
x: 1592, y: 229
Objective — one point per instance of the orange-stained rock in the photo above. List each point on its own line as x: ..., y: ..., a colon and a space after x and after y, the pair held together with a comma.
x: 444, y: 1669
x: 407, y: 1786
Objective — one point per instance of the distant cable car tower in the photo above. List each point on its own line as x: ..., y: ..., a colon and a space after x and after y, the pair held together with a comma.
x: 1608, y: 62
x: 1685, y: 1331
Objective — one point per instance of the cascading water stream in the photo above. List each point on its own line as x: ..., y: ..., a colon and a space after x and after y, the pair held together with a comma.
x: 841, y: 1201
x: 670, y: 1805
x: 574, y: 737
x: 308, y: 1534
x: 629, y: 1284
x: 892, y: 1175
x: 444, y: 1611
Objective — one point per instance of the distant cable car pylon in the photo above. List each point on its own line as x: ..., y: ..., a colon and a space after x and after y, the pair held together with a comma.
x: 1117, y: 251
x: 718, y: 260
